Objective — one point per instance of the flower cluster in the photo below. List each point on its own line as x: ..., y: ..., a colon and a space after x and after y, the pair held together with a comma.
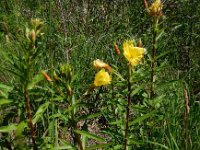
x: 102, y: 77
x: 155, y: 9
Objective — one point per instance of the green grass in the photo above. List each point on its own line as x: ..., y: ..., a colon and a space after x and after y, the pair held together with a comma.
x: 62, y: 116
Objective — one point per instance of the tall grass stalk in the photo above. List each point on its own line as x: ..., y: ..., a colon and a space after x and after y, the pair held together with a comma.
x: 60, y: 7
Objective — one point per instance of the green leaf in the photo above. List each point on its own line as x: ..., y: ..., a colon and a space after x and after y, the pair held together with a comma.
x: 158, y: 144
x: 6, y: 57
x: 163, y: 54
x: 99, y: 146
x: 118, y: 122
x: 6, y: 129
x: 116, y: 147
x: 40, y: 112
x: 135, y: 91
x: 4, y: 89
x: 20, y: 129
x: 90, y: 116
x: 118, y: 75
x: 5, y: 101
x: 139, y: 119
x: 13, y: 72
x: 89, y: 135
x: 35, y: 80
x: 160, y: 35
x: 3, y: 86
x: 71, y: 108
x: 63, y: 147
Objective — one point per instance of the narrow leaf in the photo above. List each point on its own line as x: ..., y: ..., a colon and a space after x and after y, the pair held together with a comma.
x: 158, y: 144
x: 99, y: 146
x: 6, y: 129
x: 5, y: 101
x: 139, y: 119
x: 89, y: 135
x: 40, y: 112
x: 90, y: 116
x: 35, y: 80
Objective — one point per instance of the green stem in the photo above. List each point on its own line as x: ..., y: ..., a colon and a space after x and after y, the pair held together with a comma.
x: 155, y: 26
x: 128, y: 107
x: 77, y: 137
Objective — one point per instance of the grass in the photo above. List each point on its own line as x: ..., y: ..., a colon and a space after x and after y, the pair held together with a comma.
x: 75, y: 34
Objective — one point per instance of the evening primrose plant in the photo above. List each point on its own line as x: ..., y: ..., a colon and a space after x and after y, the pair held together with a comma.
x: 155, y: 11
x: 21, y: 64
x: 134, y: 55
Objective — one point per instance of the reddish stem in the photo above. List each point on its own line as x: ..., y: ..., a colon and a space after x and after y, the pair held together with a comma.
x: 31, y: 126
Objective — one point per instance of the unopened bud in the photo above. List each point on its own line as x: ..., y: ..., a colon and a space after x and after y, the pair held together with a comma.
x: 69, y: 90
x: 33, y: 36
x: 139, y: 43
x: 66, y: 71
x: 45, y: 75
x: 116, y: 49
x: 55, y: 76
x: 98, y: 64
x: 145, y: 4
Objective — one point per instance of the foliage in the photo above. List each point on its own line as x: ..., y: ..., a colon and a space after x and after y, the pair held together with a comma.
x: 49, y: 96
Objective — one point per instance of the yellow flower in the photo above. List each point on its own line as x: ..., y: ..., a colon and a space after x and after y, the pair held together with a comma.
x: 102, y: 78
x: 132, y: 54
x: 98, y: 64
x: 156, y: 8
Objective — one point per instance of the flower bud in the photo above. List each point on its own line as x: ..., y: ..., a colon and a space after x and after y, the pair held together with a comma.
x: 139, y: 43
x: 156, y: 8
x: 45, y: 75
x: 33, y: 36
x: 145, y: 4
x: 55, y: 76
x: 98, y: 64
x: 69, y: 90
x: 116, y: 49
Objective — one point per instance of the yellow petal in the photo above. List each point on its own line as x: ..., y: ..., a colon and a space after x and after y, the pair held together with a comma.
x: 132, y: 54
x: 102, y: 78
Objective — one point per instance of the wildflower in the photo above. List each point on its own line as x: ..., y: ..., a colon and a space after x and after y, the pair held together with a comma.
x: 116, y: 49
x: 132, y: 54
x: 156, y: 8
x: 102, y: 78
x: 46, y: 76
x: 98, y: 64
